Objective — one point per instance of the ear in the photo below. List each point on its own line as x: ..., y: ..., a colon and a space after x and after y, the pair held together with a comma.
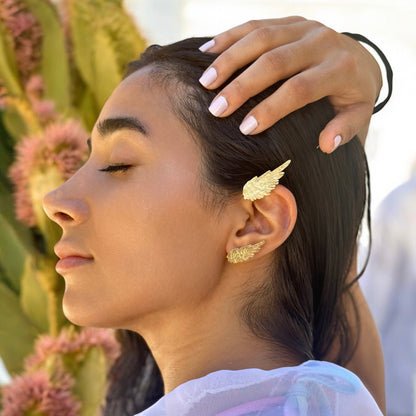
x: 271, y: 219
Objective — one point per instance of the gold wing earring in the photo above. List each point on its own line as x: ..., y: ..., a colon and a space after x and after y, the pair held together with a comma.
x: 259, y: 187
x: 256, y: 188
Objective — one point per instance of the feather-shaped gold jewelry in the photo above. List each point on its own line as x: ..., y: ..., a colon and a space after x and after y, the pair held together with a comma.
x: 259, y: 187
x: 242, y: 254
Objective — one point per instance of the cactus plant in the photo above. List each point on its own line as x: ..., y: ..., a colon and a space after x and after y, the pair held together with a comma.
x: 58, y: 64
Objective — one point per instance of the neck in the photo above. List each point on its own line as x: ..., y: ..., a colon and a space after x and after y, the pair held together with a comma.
x: 191, y: 343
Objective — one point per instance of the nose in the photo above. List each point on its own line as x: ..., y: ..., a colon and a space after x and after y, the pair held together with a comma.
x: 63, y: 210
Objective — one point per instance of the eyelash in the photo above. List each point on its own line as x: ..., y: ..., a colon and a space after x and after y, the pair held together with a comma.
x: 116, y: 168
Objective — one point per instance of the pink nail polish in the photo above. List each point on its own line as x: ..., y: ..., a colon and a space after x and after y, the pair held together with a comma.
x: 337, y: 141
x: 248, y: 125
x: 218, y: 106
x: 208, y: 77
x: 207, y: 45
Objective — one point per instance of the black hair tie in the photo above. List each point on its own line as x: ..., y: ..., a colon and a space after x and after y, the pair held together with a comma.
x: 386, y: 63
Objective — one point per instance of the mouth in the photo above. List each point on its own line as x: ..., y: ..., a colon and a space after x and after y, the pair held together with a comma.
x: 71, y: 262
x: 70, y: 258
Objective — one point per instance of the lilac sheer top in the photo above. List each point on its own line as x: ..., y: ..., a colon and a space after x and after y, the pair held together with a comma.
x: 314, y: 388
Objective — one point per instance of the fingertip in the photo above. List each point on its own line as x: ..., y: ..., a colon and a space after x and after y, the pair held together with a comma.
x: 329, y: 143
x: 336, y: 142
x: 207, y: 45
x: 208, y: 77
x: 249, y: 125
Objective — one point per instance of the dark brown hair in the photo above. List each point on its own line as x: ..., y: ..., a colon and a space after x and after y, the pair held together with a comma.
x: 300, y: 310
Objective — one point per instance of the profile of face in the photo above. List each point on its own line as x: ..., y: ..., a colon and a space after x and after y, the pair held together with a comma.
x: 135, y: 211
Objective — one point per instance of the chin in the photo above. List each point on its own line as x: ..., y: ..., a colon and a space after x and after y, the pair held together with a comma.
x: 83, y: 313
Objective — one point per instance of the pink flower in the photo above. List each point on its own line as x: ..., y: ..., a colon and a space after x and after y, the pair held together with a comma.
x: 35, y: 86
x: 45, y: 110
x: 26, y: 33
x: 76, y: 344
x: 62, y: 146
x: 37, y: 393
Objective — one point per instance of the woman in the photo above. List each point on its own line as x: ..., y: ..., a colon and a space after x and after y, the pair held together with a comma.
x: 173, y: 177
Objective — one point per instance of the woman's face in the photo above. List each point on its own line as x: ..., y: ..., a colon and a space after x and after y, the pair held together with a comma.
x: 152, y: 245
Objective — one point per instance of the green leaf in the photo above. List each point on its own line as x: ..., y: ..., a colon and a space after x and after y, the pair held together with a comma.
x: 91, y: 377
x: 6, y: 150
x: 8, y: 68
x: 17, y: 333
x: 88, y: 109
x: 107, y: 73
x: 33, y: 298
x: 15, y: 243
x: 104, y: 40
x: 54, y: 62
x: 82, y: 24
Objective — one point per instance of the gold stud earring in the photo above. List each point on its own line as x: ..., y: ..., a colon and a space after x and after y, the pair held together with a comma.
x: 242, y: 254
x: 259, y: 187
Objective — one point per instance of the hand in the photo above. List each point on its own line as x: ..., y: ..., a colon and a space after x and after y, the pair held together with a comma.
x: 317, y: 62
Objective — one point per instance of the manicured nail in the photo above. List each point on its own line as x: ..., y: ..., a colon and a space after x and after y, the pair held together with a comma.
x: 218, y: 106
x: 337, y: 141
x: 248, y: 125
x: 208, y: 77
x: 207, y: 45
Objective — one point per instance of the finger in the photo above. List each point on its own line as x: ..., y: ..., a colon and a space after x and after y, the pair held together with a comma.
x: 344, y: 126
x: 273, y: 66
x: 225, y: 39
x: 298, y: 91
x: 272, y: 41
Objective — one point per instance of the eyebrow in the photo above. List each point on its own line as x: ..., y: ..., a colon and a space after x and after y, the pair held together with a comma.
x: 111, y: 125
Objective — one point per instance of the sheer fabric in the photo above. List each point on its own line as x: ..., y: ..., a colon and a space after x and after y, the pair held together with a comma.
x: 314, y: 388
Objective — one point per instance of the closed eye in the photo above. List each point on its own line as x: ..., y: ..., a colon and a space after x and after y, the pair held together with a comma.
x: 116, y: 168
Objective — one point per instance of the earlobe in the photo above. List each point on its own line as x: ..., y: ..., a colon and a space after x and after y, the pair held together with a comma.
x: 269, y: 224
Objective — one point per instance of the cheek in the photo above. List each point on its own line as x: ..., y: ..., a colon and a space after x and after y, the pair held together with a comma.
x: 160, y: 252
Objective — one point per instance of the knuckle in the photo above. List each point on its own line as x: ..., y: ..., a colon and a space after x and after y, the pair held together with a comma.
x: 268, y: 112
x: 348, y: 62
x: 300, y: 87
x: 273, y: 61
x: 263, y: 35
x: 253, y: 24
x: 236, y: 89
x: 296, y: 19
x: 222, y: 60
x: 324, y: 34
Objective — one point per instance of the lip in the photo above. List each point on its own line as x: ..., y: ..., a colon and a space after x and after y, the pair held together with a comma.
x: 71, y: 262
x: 70, y: 257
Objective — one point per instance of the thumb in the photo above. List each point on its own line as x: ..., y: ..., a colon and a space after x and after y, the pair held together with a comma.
x: 348, y: 122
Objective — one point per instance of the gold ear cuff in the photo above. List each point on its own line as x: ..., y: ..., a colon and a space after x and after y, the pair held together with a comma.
x: 259, y: 187
x: 242, y: 254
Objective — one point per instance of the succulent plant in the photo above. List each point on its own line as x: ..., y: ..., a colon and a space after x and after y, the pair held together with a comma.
x: 59, y: 61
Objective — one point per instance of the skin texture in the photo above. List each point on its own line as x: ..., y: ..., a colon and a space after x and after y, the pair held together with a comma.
x: 158, y: 252
x: 317, y: 60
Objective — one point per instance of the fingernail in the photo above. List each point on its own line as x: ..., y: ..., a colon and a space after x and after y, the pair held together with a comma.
x: 248, y: 125
x: 207, y: 45
x: 218, y: 106
x: 208, y: 77
x: 337, y: 141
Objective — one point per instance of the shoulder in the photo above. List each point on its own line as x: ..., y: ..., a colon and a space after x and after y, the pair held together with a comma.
x: 313, y: 388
